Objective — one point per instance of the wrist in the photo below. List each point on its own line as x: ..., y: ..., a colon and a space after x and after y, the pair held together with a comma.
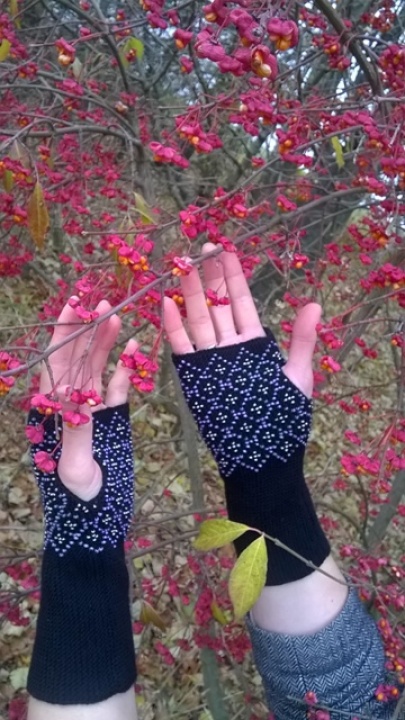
x: 277, y: 502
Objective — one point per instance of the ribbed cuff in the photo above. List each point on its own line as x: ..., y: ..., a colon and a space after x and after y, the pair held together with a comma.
x: 277, y: 501
x: 83, y: 651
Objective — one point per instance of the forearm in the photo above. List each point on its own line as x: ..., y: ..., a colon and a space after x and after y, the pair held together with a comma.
x: 303, y: 606
x: 118, y: 707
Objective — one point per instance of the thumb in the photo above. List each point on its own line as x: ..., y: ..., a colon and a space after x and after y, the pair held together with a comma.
x: 298, y: 367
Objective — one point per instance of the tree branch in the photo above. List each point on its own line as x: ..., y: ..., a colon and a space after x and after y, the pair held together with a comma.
x: 337, y: 23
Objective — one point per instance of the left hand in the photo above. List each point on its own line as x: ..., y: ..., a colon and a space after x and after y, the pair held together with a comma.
x: 80, y: 364
x: 222, y: 325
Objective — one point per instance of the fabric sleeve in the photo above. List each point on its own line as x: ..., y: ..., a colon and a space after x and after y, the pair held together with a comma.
x: 342, y: 664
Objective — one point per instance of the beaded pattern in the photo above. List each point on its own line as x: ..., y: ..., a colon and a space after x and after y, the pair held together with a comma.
x: 246, y: 409
x: 103, y: 521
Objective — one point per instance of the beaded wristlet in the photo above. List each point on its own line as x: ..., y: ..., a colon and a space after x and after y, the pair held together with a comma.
x: 84, y: 650
x: 256, y: 423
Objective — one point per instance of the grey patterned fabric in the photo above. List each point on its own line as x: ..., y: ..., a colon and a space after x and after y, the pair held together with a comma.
x: 101, y: 522
x: 342, y: 664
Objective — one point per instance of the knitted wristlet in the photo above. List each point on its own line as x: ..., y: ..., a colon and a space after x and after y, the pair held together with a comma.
x: 83, y: 651
x: 256, y: 423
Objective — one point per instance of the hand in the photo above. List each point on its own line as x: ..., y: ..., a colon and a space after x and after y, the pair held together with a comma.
x: 252, y: 409
x: 222, y: 325
x: 79, y: 364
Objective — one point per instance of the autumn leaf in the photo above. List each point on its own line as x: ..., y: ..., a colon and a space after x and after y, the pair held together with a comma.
x: 149, y: 616
x: 5, y: 47
x: 14, y: 13
x: 76, y: 68
x: 219, y: 614
x: 216, y: 533
x: 143, y: 209
x: 337, y: 146
x: 8, y: 180
x: 248, y: 577
x: 18, y: 677
x: 19, y: 152
x: 38, y: 218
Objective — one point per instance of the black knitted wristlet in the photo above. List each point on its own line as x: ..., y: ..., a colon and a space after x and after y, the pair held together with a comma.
x: 256, y: 423
x: 83, y: 651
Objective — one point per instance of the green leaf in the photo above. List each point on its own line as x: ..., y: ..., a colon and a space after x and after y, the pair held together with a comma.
x: 132, y: 43
x: 5, y: 49
x: 144, y: 210
x: 337, y: 146
x: 248, y: 577
x: 219, y: 614
x: 216, y: 533
x: 38, y: 218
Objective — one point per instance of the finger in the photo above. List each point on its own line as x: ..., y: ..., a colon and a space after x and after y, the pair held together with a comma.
x: 60, y: 360
x: 199, y: 319
x: 222, y: 317
x: 104, y: 340
x: 80, y: 367
x: 117, y: 390
x: 298, y: 367
x: 173, y: 325
x: 246, y: 318
x: 90, y: 351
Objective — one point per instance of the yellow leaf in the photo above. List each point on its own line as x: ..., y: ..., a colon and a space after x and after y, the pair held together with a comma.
x: 19, y: 152
x: 144, y: 210
x: 14, y: 13
x: 337, y: 146
x: 219, y: 614
x: 149, y: 616
x: 4, y: 49
x: 38, y: 218
x: 8, y: 180
x: 216, y: 533
x: 248, y: 576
